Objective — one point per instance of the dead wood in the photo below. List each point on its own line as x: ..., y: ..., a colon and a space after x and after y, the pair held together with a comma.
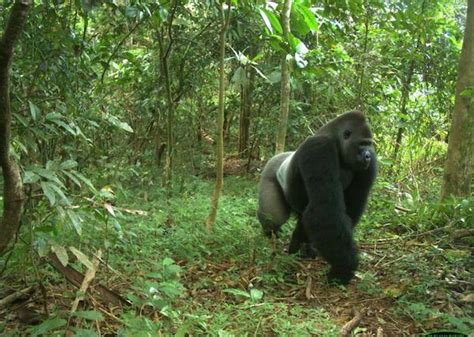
x: 76, y: 278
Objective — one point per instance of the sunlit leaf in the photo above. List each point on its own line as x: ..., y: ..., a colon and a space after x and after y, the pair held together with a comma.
x: 34, y: 111
x: 271, y: 21
x: 256, y: 294
x: 61, y: 253
x: 82, y: 258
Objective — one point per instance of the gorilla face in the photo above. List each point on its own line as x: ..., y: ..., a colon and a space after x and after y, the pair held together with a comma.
x: 356, y: 144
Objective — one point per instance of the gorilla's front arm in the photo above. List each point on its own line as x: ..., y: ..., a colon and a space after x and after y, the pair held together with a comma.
x: 357, y: 193
x: 325, y: 220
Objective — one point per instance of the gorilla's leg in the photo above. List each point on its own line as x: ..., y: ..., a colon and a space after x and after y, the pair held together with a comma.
x: 273, y: 210
x: 298, y: 237
x: 299, y: 240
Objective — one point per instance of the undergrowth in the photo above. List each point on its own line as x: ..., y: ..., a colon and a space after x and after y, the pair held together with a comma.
x: 181, y: 279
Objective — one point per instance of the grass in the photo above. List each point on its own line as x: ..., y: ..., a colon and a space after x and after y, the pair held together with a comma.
x: 183, y: 280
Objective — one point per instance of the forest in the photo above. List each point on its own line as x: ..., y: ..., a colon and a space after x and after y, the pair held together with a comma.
x: 145, y: 175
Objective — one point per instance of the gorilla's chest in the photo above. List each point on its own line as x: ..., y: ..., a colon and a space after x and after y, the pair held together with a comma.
x: 295, y: 190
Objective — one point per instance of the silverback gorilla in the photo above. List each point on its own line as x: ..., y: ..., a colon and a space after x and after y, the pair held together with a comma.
x: 326, y: 183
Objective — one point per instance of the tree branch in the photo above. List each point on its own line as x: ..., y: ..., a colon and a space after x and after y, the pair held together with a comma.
x: 13, y: 187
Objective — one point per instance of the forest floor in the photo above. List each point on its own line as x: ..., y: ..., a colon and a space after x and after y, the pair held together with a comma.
x: 183, y: 280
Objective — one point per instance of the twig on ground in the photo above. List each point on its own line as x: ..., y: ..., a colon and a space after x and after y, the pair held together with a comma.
x: 400, y: 208
x: 15, y: 296
x: 380, y: 332
x: 76, y: 278
x: 309, y: 286
x: 351, y: 325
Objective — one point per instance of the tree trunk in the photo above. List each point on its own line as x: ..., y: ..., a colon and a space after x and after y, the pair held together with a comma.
x: 361, y: 94
x: 211, y: 219
x: 406, y: 94
x: 459, y: 167
x: 245, y: 108
x: 13, y: 187
x: 285, y: 81
x: 403, y: 107
x: 164, y: 57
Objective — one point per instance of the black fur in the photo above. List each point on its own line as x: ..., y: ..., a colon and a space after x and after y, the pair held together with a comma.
x: 326, y: 182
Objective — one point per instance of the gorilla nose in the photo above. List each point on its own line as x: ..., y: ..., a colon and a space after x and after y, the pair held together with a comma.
x: 367, y: 157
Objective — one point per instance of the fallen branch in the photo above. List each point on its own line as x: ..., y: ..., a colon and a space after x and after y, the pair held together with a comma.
x: 351, y: 325
x: 90, y: 275
x: 462, y: 233
x: 400, y: 208
x: 405, y: 238
x: 15, y: 296
x: 76, y: 278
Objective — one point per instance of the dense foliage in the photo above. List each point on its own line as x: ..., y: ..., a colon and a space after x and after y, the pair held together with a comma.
x: 111, y: 97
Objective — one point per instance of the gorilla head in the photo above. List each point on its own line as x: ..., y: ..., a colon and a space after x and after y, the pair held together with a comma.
x: 354, y: 140
x: 326, y: 183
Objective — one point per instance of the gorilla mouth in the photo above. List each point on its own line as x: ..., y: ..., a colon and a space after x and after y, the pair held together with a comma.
x: 364, y: 158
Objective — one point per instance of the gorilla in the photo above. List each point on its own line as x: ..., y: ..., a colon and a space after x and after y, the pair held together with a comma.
x: 326, y: 183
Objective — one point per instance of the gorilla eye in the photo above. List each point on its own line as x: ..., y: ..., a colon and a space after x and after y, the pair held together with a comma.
x: 347, y: 134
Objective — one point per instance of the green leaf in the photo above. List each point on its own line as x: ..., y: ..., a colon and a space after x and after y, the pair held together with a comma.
x: 84, y: 180
x: 255, y: 294
x: 73, y: 178
x: 167, y: 261
x: 61, y: 253
x: 75, y: 220
x: 266, y: 20
x: 262, y: 75
x: 115, y: 121
x: 271, y: 21
x: 68, y: 164
x: 54, y: 115
x: 49, y: 175
x: 154, y: 275
x: 239, y: 76
x: 46, y: 326
x: 274, y: 77
x: 171, y: 289
x: 132, y: 12
x: 124, y: 126
x: 303, y: 20
x: 21, y: 119
x: 30, y: 177
x: 59, y: 192
x: 48, y: 192
x: 34, y: 111
x: 82, y: 258
x: 237, y: 292
x: 65, y: 126
x: 90, y: 315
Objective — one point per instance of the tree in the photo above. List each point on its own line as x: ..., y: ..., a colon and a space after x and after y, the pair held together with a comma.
x: 459, y: 166
x: 285, y: 80
x: 164, y: 57
x: 13, y: 187
x: 220, y: 119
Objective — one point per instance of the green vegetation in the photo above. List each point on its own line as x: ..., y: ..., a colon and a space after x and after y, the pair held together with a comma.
x: 113, y: 125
